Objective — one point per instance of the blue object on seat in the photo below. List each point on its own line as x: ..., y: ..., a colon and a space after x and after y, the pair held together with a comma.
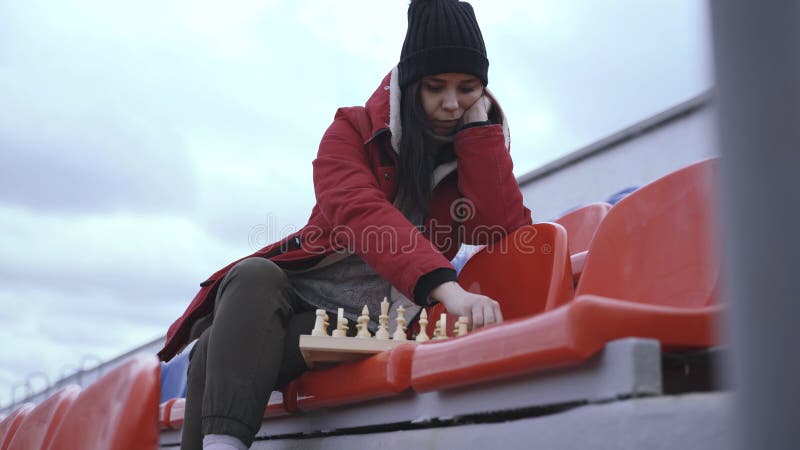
x: 174, y: 374
x: 465, y: 252
x: 619, y: 195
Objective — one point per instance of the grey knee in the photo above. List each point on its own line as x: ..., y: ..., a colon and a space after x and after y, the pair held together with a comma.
x: 259, y: 270
x: 255, y: 281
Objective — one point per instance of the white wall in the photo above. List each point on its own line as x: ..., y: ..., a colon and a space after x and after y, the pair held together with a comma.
x: 632, y: 157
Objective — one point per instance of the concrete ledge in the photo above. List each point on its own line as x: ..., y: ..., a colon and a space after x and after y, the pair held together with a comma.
x: 625, y: 368
x: 688, y: 422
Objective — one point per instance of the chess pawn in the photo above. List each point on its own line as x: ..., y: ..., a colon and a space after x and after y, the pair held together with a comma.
x: 441, y: 328
x: 383, y: 321
x: 363, y: 324
x: 422, y: 336
x: 341, y: 325
x: 321, y: 324
x: 400, y: 322
x: 461, y: 326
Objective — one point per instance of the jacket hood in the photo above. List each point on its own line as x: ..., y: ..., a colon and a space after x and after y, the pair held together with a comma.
x: 383, y: 108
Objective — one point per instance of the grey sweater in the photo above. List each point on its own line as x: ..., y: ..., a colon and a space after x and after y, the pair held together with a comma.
x: 348, y: 282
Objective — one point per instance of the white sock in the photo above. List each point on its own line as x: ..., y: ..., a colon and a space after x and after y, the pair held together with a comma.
x: 222, y: 442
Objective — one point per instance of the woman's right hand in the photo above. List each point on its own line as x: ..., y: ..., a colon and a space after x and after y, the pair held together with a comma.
x: 480, y: 309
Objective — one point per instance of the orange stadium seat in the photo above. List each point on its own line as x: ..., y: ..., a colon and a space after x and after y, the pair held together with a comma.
x: 652, y: 272
x: 581, y: 225
x: 173, y: 416
x: 10, y: 424
x: 172, y: 411
x: 382, y: 375
x: 36, y: 431
x: 528, y: 272
x: 165, y: 413
x: 117, y: 412
x: 278, y: 406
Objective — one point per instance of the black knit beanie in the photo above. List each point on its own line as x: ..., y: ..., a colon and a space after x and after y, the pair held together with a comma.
x: 443, y: 37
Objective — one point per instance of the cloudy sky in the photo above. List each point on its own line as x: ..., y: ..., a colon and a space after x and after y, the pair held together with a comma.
x: 145, y: 144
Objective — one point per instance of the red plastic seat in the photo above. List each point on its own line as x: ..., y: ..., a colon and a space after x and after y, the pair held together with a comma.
x: 382, y: 375
x: 652, y: 272
x: 36, y: 431
x: 10, y: 424
x: 117, y: 412
x: 165, y: 413
x: 171, y: 412
x: 173, y: 415
x: 279, y: 406
x: 581, y: 225
x: 528, y: 273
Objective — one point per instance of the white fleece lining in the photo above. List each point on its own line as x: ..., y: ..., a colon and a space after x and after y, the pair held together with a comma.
x: 396, y: 128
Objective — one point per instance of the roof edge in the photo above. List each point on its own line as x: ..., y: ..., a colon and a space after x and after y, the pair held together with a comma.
x: 647, y: 125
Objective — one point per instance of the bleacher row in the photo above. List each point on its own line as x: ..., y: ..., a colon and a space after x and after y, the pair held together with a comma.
x: 646, y: 267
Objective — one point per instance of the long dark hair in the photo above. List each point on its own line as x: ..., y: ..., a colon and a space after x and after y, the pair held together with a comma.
x: 415, y: 165
x: 415, y: 162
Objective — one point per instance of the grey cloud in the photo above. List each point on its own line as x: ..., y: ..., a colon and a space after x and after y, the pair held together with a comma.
x: 87, y: 157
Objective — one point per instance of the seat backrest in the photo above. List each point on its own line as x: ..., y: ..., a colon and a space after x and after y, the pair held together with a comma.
x: 528, y: 272
x: 581, y: 225
x: 658, y: 245
x: 119, y: 411
x: 10, y: 425
x: 37, y: 429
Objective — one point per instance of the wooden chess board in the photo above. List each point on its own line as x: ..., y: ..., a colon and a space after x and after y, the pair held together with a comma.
x: 328, y: 349
x: 321, y: 347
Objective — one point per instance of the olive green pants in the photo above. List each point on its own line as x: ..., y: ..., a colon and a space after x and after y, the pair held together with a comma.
x: 250, y: 349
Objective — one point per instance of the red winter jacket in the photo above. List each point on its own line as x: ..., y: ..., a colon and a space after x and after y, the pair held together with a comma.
x: 474, y: 201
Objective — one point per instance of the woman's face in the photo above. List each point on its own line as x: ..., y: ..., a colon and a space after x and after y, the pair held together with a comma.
x: 445, y: 98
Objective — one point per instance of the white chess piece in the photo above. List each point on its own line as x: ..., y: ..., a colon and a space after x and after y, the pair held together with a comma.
x: 341, y: 325
x: 441, y: 328
x: 461, y: 326
x: 363, y: 324
x: 422, y: 336
x: 400, y: 321
x: 383, y: 321
x: 320, y: 328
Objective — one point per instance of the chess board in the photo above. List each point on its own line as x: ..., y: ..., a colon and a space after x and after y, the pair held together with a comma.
x: 328, y: 349
x: 322, y: 347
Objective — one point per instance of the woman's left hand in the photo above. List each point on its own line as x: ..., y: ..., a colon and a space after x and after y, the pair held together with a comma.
x: 478, y: 112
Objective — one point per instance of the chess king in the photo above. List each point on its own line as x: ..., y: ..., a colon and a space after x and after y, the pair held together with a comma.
x: 426, y: 162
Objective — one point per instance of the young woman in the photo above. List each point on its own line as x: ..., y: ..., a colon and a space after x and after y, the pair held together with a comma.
x: 400, y: 184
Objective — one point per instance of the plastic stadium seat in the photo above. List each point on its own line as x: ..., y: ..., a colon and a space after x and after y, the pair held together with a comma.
x: 581, y: 224
x: 277, y: 405
x: 382, y: 375
x: 528, y: 272
x: 9, y: 425
x: 652, y: 272
x: 165, y: 413
x: 173, y: 417
x: 36, y: 431
x: 172, y: 411
x: 119, y: 411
